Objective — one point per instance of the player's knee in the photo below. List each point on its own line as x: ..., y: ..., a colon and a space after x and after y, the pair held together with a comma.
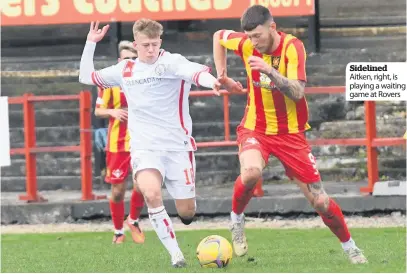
x: 118, y: 191
x: 321, y: 203
x: 251, y: 176
x: 153, y: 197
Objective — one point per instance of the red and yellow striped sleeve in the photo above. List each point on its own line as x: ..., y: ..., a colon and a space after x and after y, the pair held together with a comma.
x: 104, y: 96
x: 233, y: 40
x: 296, y: 57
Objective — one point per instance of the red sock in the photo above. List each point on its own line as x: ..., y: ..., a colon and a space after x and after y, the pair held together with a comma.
x: 136, y: 205
x: 334, y: 219
x: 241, y: 196
x: 117, y: 211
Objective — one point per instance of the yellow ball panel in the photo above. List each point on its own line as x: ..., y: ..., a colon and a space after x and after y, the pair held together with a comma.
x: 214, y: 252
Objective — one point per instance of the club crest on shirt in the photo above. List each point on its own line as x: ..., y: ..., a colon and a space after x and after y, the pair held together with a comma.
x: 160, y: 69
x: 275, y: 61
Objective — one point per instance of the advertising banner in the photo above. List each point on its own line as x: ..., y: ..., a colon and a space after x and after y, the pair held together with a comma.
x: 45, y: 12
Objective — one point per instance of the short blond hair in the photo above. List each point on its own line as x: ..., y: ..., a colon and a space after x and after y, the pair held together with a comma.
x: 126, y: 45
x: 148, y: 27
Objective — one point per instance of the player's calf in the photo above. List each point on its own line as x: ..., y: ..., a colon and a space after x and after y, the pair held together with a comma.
x: 242, y: 193
x: 149, y: 183
x: 117, y: 211
x: 251, y: 166
x: 327, y: 208
x: 317, y: 196
x: 333, y: 218
x: 186, y: 209
x: 118, y: 192
x: 136, y: 206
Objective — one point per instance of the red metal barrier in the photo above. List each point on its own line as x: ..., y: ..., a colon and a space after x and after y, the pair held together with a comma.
x: 30, y: 149
x: 85, y: 148
x: 371, y: 141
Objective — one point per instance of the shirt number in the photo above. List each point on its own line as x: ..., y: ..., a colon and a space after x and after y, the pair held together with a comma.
x: 189, y: 176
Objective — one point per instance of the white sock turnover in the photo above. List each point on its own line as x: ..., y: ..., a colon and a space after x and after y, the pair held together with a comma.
x: 349, y: 244
x: 236, y: 218
x: 119, y: 231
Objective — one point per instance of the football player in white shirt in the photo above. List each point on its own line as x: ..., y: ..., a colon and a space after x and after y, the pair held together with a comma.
x: 156, y: 85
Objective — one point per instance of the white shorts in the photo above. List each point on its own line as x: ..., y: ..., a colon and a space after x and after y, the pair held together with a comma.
x: 176, y: 167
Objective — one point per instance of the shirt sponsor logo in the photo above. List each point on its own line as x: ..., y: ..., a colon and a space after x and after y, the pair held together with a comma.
x: 144, y: 81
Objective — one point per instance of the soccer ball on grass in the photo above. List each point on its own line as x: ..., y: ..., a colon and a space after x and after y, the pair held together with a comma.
x: 214, y: 252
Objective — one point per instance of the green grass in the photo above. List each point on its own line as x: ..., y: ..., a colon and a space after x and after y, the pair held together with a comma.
x: 270, y: 250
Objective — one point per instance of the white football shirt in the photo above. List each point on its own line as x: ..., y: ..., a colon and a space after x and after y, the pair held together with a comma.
x: 157, y: 98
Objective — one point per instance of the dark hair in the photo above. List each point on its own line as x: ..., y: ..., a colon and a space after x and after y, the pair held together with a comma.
x: 254, y: 16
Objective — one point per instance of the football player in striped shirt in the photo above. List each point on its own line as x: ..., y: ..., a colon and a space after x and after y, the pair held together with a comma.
x: 111, y: 103
x: 275, y: 121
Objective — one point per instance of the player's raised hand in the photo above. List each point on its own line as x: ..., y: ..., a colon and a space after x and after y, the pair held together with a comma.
x: 95, y: 34
x: 119, y: 114
x: 257, y: 63
x: 230, y: 84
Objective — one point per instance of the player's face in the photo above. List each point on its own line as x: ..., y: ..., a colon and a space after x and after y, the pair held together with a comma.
x: 127, y: 54
x: 147, y: 48
x: 262, y: 37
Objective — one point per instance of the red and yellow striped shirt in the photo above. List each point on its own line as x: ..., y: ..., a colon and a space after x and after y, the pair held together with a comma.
x: 268, y: 111
x: 118, y: 138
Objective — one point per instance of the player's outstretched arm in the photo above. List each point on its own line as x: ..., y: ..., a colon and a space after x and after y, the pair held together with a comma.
x: 86, y: 68
x: 107, y: 77
x: 194, y: 73
x: 220, y: 46
x: 207, y: 80
x: 219, y: 53
x: 229, y: 84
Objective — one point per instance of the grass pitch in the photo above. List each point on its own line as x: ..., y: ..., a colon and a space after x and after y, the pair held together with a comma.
x: 270, y: 250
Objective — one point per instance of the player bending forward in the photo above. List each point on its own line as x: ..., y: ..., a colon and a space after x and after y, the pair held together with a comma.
x: 111, y: 103
x: 275, y: 120
x: 156, y: 85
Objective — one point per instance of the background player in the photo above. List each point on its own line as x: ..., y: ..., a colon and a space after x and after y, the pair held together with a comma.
x: 275, y: 120
x: 111, y: 103
x: 156, y: 86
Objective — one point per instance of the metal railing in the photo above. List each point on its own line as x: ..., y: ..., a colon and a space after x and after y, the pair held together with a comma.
x: 30, y: 148
x: 370, y: 141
